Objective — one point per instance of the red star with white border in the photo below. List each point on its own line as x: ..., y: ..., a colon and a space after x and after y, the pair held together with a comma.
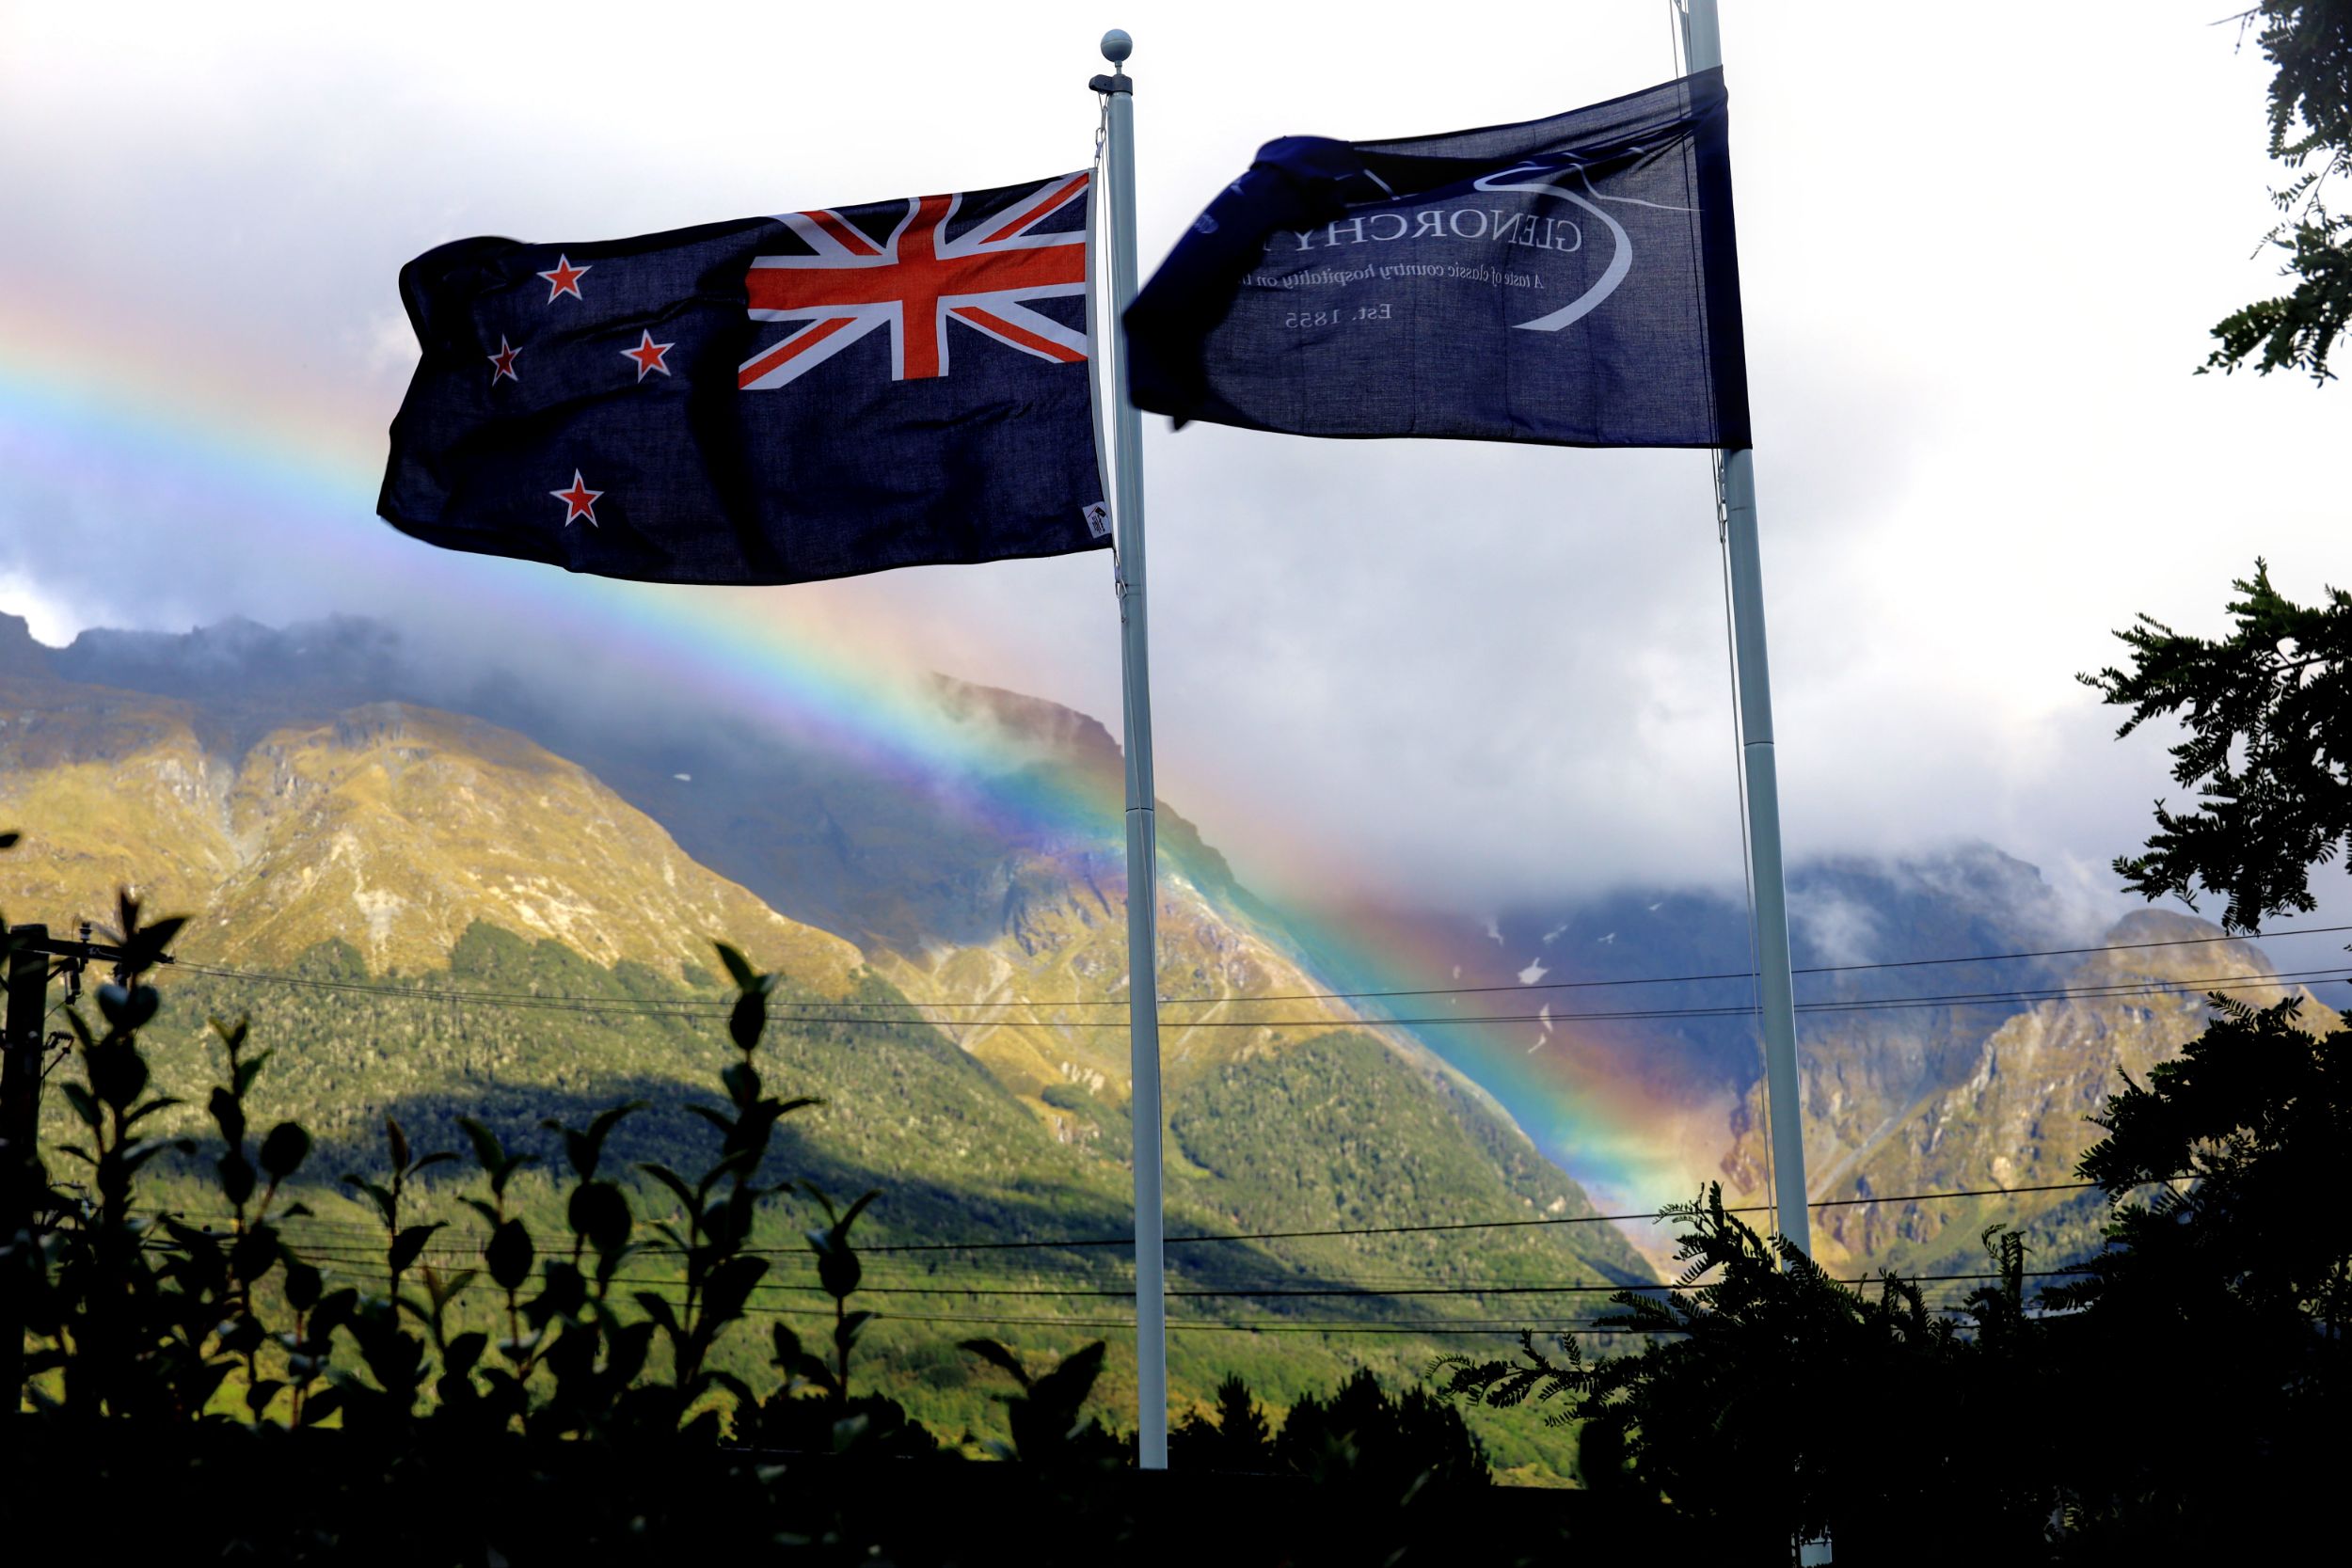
x: 578, y: 501
x: 564, y: 278
x: 502, y: 362
x: 647, y: 356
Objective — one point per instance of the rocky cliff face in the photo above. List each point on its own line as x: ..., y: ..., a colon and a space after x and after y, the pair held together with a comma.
x: 19, y: 653
x: 390, y: 827
x: 2005, y: 1105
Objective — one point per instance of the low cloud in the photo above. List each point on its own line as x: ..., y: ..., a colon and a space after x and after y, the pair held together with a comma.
x: 1468, y: 674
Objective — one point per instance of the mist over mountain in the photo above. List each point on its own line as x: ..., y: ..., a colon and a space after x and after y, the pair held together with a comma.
x: 821, y: 837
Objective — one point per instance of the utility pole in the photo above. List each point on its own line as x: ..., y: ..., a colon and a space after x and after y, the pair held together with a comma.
x: 30, y: 950
x: 1704, y: 46
x: 19, y: 1129
x: 20, y: 1072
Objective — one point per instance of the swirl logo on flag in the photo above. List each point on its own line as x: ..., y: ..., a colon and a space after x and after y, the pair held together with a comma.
x: 1620, y: 260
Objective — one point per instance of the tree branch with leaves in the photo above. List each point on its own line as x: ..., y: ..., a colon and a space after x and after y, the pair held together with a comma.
x: 2309, y: 44
x: 2268, y: 749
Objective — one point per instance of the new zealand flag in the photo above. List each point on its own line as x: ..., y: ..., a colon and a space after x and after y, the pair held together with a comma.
x: 776, y: 400
x: 1570, y: 280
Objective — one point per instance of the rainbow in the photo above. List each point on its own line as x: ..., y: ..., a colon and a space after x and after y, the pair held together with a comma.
x: 286, y: 472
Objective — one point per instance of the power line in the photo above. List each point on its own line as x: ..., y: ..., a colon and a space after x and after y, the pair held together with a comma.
x: 368, y: 1260
x: 2111, y: 990
x: 1815, y: 969
x: 1316, y: 1292
x: 2105, y: 992
x: 1335, y: 1291
x: 1079, y: 1243
x: 1498, y: 1327
x: 696, y: 1005
x: 1504, y: 1327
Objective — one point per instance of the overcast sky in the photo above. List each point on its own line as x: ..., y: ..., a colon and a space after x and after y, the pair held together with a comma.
x: 1980, y: 247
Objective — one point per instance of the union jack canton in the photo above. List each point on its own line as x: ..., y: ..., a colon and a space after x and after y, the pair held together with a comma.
x: 921, y: 366
x: 924, y: 273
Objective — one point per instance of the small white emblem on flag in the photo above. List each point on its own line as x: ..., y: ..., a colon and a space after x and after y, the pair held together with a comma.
x: 1097, y: 518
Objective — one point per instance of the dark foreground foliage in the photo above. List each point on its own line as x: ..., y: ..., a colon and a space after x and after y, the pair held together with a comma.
x: 2181, y: 1397
x: 234, y: 1493
x: 1771, y: 1401
x: 208, y: 1390
x: 1361, y: 1436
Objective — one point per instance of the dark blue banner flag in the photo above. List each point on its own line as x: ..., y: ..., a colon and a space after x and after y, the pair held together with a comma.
x: 776, y: 400
x: 1569, y: 280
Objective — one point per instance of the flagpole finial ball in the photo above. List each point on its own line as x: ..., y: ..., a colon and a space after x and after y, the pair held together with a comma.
x: 1117, y: 45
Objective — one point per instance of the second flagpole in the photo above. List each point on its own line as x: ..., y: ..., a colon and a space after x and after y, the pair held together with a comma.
x: 1777, y: 987
x: 1143, y: 968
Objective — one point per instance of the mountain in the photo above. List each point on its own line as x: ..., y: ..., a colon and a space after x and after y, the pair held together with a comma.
x: 388, y: 826
x: 1640, y: 998
x: 377, y: 872
x: 824, y: 835
x: 1014, y: 924
x: 360, y: 825
x: 2009, y: 1110
x: 19, y: 653
x: 1903, y: 1093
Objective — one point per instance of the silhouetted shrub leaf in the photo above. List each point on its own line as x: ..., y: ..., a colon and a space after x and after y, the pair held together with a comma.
x: 285, y: 1148
x: 564, y: 1293
x: 464, y: 1351
x: 227, y: 1115
x: 747, y: 1019
x: 996, y: 1354
x: 738, y: 966
x: 406, y: 1247
x: 144, y: 948
x: 730, y: 1287
x: 236, y: 1178
x: 254, y: 1254
x: 599, y: 1212
x: 509, y: 1255
x: 115, y: 1071
x: 84, y: 1108
x: 303, y: 1284
x: 128, y: 1007
x: 659, y: 1309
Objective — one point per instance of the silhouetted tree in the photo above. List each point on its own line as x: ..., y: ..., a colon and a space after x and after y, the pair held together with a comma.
x: 1236, y: 1439
x: 1046, y: 1416
x: 1388, y: 1445
x: 1770, y: 1401
x: 2310, y: 42
x: 2217, y: 1308
x: 2268, y: 711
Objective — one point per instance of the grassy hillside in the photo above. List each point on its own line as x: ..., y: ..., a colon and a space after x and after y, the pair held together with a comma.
x: 1337, y: 1132
x: 345, y: 845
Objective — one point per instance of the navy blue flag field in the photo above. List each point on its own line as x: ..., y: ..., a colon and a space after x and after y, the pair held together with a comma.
x: 776, y: 400
x: 1570, y: 280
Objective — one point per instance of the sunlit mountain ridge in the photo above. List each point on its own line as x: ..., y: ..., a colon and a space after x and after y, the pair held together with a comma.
x: 326, y: 784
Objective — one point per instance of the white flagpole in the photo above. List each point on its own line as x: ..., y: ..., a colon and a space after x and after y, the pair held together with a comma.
x: 1783, y: 1097
x: 1143, y: 968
